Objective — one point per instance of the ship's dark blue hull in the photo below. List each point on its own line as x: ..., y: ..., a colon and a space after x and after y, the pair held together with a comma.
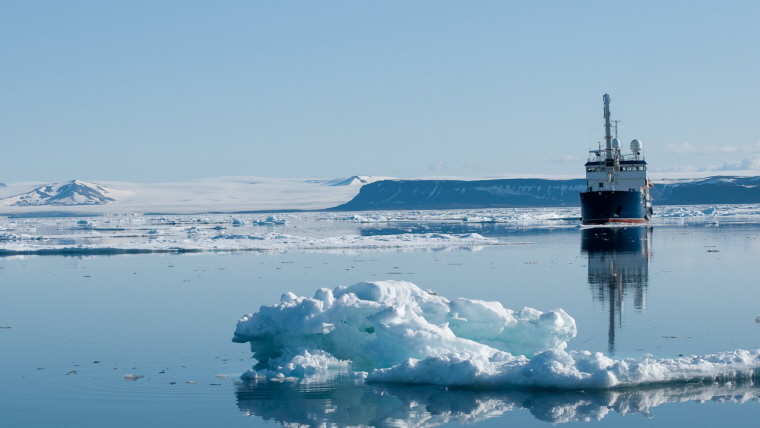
x: 614, y: 207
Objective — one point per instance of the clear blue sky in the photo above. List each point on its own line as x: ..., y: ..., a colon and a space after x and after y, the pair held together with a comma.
x: 150, y: 91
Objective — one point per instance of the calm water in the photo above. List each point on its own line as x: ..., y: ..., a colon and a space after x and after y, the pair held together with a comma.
x: 72, y: 328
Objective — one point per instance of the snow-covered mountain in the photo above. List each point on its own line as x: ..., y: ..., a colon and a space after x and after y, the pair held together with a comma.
x: 219, y: 194
x: 356, y: 179
x: 75, y: 192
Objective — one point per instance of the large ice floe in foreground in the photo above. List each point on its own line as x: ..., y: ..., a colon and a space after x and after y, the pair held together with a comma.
x: 393, y: 331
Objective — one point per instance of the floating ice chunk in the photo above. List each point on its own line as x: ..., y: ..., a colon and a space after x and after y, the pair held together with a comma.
x: 384, y: 323
x: 271, y: 220
x: 318, y: 365
x: 399, y: 333
x: 195, y: 230
x: 132, y: 377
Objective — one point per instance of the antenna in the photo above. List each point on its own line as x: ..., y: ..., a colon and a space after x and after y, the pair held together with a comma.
x: 616, y: 126
x: 607, y: 136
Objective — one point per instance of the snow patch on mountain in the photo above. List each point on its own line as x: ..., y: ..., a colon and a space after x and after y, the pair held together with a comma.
x: 348, y: 181
x: 74, y: 192
x: 359, y: 180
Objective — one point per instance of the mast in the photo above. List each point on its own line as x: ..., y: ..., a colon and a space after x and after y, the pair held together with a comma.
x: 607, y: 135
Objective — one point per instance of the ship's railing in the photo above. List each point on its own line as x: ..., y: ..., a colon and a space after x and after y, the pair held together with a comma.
x: 599, y: 156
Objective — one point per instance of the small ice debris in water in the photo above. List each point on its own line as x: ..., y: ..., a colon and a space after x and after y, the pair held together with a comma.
x: 132, y: 377
x: 71, y: 372
x: 96, y: 362
x: 4, y: 328
x: 757, y: 319
x: 222, y: 376
x: 172, y: 383
x: 191, y: 382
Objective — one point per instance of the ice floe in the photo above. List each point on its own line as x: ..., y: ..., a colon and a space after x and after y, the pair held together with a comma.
x: 395, y: 332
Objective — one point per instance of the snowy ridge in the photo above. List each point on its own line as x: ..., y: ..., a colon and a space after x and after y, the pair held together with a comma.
x: 73, y: 192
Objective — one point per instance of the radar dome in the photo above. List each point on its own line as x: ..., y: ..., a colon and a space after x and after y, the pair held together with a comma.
x: 636, y: 146
x: 615, y: 143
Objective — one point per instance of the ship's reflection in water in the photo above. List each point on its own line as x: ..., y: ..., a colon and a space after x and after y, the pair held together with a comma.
x: 618, y: 267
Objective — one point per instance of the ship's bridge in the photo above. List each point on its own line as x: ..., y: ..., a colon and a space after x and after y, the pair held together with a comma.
x: 628, y: 174
x: 623, y: 165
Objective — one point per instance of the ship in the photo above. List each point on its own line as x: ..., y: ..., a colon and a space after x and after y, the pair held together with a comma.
x: 617, y: 187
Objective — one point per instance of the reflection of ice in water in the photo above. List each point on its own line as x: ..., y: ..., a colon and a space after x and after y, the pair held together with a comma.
x: 346, y: 403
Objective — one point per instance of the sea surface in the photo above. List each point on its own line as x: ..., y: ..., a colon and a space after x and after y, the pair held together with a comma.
x: 145, y: 339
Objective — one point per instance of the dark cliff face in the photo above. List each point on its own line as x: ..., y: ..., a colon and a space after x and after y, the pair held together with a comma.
x: 712, y: 190
x: 450, y: 194
x: 511, y: 193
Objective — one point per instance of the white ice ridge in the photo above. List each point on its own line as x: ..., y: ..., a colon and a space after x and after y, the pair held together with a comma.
x: 197, y: 239
x: 400, y: 333
x: 386, y: 323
